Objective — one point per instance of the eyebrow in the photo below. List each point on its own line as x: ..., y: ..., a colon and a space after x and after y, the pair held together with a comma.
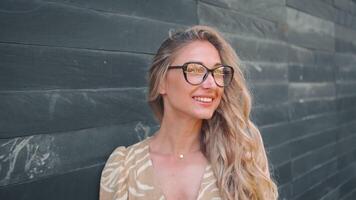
x: 218, y: 63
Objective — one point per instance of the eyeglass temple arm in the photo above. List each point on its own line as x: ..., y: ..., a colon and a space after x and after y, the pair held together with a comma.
x: 175, y: 67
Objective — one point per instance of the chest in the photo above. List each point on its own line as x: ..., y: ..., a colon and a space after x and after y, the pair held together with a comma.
x: 179, y: 179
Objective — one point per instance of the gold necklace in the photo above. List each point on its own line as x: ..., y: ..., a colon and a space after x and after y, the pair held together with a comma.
x: 181, y: 155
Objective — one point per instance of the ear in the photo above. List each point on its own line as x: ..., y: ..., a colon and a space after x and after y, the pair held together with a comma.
x: 162, y: 87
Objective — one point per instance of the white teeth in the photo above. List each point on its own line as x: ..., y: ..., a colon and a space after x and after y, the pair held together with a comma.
x: 203, y: 99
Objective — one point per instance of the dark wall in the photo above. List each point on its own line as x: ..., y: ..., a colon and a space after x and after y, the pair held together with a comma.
x: 72, y: 88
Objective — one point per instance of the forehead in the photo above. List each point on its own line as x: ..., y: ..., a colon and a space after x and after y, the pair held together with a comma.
x: 197, y: 51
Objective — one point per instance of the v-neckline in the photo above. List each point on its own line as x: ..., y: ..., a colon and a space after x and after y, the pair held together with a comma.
x: 156, y: 181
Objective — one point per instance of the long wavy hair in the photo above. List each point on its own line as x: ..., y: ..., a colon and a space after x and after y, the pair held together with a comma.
x: 230, y: 141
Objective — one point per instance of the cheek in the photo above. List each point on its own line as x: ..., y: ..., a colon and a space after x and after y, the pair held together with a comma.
x: 220, y: 94
x: 177, y: 87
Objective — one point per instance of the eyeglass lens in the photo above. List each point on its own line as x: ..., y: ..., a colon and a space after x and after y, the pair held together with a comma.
x: 196, y: 74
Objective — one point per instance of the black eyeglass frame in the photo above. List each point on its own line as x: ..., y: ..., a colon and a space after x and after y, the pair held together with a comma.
x: 185, y: 65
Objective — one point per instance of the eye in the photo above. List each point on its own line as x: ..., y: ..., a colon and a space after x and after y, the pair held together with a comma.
x: 219, y: 71
x: 195, y: 68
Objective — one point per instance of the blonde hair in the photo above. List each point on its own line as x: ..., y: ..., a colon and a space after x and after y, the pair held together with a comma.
x: 230, y: 141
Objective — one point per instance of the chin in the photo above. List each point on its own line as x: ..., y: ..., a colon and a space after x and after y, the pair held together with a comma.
x: 205, y: 116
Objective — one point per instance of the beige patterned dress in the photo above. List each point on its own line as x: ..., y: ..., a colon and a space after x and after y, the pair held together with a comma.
x: 128, y: 174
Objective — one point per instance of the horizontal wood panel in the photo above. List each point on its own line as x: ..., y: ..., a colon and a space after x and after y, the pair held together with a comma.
x: 273, y: 10
x: 68, y: 26
x: 230, y: 21
x: 48, y: 154
x: 79, y: 184
x: 38, y: 112
x: 27, y: 67
x: 305, y: 91
x: 316, y: 8
x: 184, y: 10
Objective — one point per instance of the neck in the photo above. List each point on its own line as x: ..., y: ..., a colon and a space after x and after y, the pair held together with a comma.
x: 178, y: 136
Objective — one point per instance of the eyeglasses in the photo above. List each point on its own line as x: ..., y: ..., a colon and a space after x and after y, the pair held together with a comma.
x: 196, y: 73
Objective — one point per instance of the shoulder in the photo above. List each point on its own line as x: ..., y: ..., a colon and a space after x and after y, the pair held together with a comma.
x: 117, y: 155
x: 137, y: 149
x: 116, y: 170
x: 124, y: 154
x: 113, y: 170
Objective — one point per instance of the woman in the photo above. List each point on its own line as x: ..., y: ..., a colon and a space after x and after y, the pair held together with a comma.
x: 206, y: 146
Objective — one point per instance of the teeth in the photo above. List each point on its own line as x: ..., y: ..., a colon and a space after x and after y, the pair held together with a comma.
x: 203, y: 99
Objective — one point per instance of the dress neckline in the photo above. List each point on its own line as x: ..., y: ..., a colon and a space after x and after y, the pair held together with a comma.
x: 207, y: 170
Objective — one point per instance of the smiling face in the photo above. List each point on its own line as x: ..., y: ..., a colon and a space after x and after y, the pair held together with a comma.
x: 186, y: 100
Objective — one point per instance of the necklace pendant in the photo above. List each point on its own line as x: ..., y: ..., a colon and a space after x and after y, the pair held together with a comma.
x: 181, y: 156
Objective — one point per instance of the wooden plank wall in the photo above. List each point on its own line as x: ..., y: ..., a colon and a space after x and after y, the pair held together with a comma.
x: 73, y: 87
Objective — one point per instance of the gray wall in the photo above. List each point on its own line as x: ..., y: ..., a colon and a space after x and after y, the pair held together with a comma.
x: 72, y: 87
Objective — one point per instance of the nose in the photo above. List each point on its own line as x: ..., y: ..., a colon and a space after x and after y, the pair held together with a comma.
x: 209, y: 82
